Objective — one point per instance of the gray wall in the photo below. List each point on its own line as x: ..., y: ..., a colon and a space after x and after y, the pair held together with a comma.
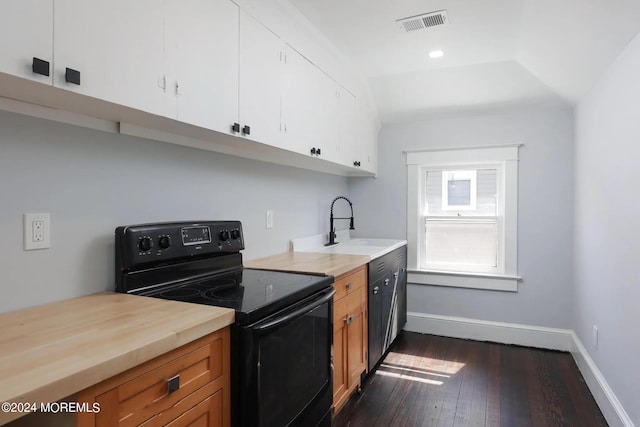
x: 544, y: 209
x: 607, y: 226
x: 91, y: 181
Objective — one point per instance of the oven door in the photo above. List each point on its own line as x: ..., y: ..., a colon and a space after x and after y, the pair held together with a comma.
x: 286, y: 374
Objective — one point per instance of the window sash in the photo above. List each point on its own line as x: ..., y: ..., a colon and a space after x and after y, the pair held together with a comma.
x: 497, y: 243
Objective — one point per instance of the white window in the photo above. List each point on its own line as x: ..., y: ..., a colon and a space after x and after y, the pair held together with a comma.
x: 462, y: 217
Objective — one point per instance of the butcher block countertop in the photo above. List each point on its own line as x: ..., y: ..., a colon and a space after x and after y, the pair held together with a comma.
x: 53, y: 351
x: 310, y: 262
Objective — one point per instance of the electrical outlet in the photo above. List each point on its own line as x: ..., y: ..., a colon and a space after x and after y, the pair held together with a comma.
x: 594, y: 336
x: 37, y: 231
x: 269, y: 218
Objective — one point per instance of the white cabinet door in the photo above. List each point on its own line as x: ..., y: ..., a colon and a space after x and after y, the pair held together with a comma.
x: 261, y: 82
x: 27, y: 33
x: 308, y: 99
x: 344, y: 120
x: 366, y: 138
x: 201, y: 61
x: 116, y: 46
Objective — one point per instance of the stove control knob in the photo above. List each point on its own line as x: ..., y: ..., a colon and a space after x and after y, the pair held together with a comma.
x: 164, y: 242
x: 145, y: 244
x: 224, y: 235
x: 235, y: 233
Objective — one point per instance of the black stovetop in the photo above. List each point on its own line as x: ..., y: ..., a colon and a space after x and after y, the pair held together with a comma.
x: 253, y: 294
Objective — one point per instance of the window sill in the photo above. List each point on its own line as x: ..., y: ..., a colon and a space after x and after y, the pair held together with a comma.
x: 464, y: 280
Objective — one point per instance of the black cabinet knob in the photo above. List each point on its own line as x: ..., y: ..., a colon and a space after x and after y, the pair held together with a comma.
x: 173, y: 384
x: 72, y: 76
x: 40, y: 66
x: 313, y: 151
x: 235, y: 127
x: 356, y: 164
x: 246, y: 130
x: 318, y: 152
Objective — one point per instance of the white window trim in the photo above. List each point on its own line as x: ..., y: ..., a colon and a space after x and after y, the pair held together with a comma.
x: 420, y: 160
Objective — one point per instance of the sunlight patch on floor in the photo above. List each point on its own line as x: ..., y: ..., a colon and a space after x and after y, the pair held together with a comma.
x: 417, y: 371
x: 407, y: 377
x: 423, y: 364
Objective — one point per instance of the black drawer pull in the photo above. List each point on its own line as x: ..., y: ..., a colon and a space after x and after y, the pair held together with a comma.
x: 246, y: 130
x: 173, y: 384
x: 40, y: 66
x: 235, y: 127
x: 72, y: 76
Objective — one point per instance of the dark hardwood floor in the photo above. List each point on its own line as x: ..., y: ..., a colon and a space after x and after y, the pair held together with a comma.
x: 426, y: 380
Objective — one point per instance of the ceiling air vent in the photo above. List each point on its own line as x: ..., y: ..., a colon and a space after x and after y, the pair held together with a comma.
x: 421, y: 22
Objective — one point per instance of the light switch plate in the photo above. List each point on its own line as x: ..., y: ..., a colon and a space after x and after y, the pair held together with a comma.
x: 37, y: 231
x: 269, y: 219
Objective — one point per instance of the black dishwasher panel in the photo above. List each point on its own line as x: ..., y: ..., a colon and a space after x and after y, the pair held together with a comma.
x: 387, y: 302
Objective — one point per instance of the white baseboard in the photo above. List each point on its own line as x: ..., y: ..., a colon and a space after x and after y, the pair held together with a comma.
x: 530, y: 336
x: 607, y: 401
x: 482, y: 330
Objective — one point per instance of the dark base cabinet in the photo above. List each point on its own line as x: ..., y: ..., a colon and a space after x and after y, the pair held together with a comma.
x: 387, y: 302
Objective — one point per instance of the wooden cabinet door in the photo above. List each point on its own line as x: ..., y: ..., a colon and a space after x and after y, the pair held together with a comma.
x: 27, y: 28
x: 261, y: 81
x: 116, y: 46
x: 207, y: 413
x: 340, y: 346
x: 201, y: 42
x: 357, y: 342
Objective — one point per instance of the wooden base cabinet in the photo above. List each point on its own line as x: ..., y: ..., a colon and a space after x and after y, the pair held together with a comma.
x: 185, y: 387
x: 349, y: 334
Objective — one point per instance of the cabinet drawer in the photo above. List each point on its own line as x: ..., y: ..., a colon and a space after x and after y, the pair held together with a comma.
x: 348, y: 305
x: 349, y: 282
x: 148, y: 394
x: 144, y: 395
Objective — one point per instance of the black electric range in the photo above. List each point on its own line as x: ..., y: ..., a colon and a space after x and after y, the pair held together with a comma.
x: 282, y: 338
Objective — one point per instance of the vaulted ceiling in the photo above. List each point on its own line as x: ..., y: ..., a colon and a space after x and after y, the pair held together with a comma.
x: 496, y: 52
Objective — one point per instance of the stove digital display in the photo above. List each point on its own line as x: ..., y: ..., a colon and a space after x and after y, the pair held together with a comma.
x: 195, y: 235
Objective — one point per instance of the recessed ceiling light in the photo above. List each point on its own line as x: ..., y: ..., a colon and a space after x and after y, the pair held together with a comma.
x: 435, y: 54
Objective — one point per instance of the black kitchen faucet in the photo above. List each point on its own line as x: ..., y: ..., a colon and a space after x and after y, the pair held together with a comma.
x: 332, y: 231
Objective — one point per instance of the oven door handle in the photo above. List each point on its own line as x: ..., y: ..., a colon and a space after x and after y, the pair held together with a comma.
x: 280, y: 321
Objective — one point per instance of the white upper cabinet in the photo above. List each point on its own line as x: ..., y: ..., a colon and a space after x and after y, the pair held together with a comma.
x: 307, y: 108
x: 111, y: 50
x: 365, y: 149
x: 26, y: 42
x: 201, y: 61
x: 343, y: 120
x: 261, y: 82
x: 187, y: 71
